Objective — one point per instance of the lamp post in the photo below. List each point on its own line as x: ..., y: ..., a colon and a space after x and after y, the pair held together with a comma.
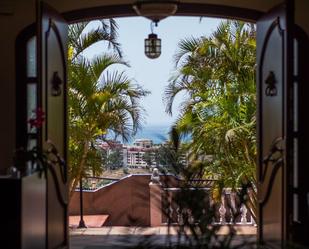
x: 81, y: 221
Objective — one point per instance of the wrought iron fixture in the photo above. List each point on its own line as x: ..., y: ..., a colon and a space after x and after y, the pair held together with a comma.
x: 56, y: 85
x: 152, y: 44
x: 271, y: 89
x: 155, y: 10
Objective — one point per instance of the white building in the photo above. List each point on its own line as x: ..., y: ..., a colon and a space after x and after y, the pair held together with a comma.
x: 135, y: 153
x: 111, y: 146
x: 143, y: 143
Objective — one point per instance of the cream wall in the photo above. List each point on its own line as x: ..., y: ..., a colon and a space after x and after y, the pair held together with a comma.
x: 22, y: 13
x: 301, y: 14
x: 17, y: 14
x: 67, y: 5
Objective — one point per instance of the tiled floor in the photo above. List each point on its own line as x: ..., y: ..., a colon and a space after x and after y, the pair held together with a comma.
x: 125, y: 237
x: 163, y: 230
x: 91, y: 220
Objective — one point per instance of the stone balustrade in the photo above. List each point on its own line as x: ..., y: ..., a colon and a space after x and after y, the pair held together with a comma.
x: 227, y: 211
x: 160, y: 200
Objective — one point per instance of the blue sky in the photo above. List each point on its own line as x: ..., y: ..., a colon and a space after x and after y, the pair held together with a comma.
x: 153, y: 75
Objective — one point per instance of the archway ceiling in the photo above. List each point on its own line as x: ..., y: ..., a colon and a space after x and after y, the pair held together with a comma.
x: 73, y: 5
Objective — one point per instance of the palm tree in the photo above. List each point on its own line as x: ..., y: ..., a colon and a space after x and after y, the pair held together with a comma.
x: 217, y: 75
x: 101, y: 102
x: 79, y: 40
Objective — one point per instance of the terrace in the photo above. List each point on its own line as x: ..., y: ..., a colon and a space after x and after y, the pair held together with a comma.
x: 139, y: 207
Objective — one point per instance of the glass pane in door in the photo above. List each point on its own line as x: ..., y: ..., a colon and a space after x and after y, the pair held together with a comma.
x: 31, y: 105
x: 31, y: 57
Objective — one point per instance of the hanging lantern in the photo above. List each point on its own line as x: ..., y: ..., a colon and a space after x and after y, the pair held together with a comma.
x: 152, y: 46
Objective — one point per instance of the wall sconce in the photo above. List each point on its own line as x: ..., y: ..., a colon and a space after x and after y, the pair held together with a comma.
x: 56, y: 85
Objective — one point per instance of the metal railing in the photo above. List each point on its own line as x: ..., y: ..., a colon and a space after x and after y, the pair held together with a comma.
x: 91, y: 183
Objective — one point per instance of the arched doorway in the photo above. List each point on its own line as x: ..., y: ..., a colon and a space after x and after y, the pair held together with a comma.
x: 276, y: 106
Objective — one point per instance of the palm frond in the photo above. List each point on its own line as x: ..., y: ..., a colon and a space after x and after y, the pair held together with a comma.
x: 186, y: 47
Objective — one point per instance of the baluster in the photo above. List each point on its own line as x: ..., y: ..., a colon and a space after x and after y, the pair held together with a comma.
x: 190, y: 217
x: 171, y: 213
x: 222, y: 210
x: 180, y: 217
x: 243, y: 211
x: 233, y: 206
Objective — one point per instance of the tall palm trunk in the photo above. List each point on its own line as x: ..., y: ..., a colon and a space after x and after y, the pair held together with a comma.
x: 81, y: 167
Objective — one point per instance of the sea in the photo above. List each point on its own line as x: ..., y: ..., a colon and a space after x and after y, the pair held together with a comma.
x: 157, y: 133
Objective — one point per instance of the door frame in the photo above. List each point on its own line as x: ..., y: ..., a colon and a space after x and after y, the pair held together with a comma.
x: 126, y: 10
x: 184, y: 9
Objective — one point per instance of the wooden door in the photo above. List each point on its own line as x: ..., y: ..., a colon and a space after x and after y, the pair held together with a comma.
x: 300, y: 186
x: 52, y: 76
x: 275, y: 123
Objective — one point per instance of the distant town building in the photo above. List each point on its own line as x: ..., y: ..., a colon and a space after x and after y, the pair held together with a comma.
x: 143, y: 143
x: 112, y: 146
x: 133, y: 155
x: 142, y: 154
